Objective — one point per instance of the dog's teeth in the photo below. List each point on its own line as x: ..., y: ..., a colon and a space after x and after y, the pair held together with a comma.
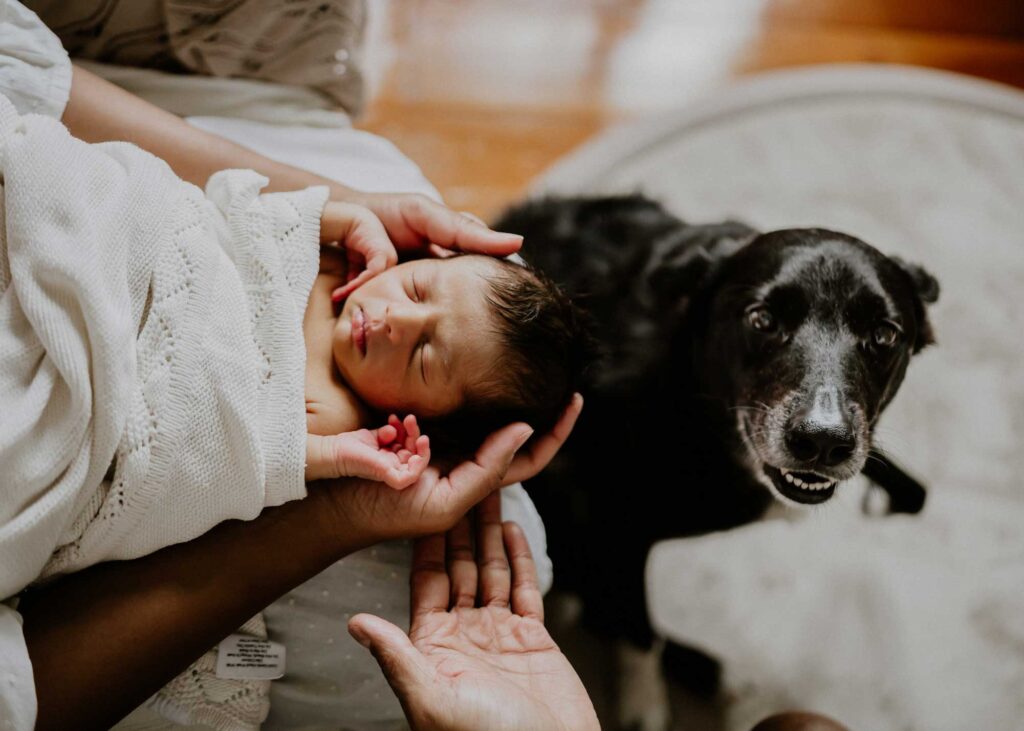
x: 797, y: 481
x: 789, y: 477
x: 784, y: 471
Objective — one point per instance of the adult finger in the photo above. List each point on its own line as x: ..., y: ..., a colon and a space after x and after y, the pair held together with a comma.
x: 473, y: 217
x: 527, y: 600
x: 530, y: 461
x: 364, y: 237
x: 405, y: 668
x: 429, y: 578
x: 461, y: 565
x: 442, y: 226
x: 471, y: 481
x: 495, y: 574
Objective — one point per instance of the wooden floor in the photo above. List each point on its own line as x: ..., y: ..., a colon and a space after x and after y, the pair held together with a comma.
x: 486, y: 94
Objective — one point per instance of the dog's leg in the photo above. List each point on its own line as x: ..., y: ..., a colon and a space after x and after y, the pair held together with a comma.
x: 906, y: 495
x: 696, y: 671
x: 643, y: 694
x: 643, y: 703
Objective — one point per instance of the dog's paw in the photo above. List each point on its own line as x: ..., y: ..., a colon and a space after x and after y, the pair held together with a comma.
x: 643, y: 703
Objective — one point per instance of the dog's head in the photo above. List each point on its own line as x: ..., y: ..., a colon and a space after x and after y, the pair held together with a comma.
x: 806, y: 336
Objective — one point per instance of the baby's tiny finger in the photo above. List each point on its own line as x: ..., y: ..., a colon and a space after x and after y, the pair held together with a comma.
x: 386, y: 435
x: 394, y: 421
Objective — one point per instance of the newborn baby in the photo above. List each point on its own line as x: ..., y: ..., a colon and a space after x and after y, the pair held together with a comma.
x: 464, y: 344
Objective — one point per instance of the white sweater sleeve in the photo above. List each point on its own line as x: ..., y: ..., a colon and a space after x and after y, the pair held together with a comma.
x: 35, y: 71
x: 35, y: 74
x: 17, y: 688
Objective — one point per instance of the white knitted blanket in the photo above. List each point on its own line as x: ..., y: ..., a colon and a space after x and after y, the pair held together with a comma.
x: 151, y: 352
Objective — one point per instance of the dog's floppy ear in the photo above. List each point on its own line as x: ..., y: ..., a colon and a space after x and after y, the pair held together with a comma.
x: 925, y: 285
x: 678, y: 276
x: 685, y: 258
x: 926, y: 289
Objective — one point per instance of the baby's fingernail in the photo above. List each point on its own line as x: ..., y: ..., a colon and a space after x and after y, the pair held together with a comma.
x: 524, y: 438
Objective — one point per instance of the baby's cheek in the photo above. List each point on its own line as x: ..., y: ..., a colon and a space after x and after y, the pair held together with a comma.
x: 339, y: 337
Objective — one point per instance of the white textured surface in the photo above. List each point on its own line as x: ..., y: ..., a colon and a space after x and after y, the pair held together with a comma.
x: 910, y: 623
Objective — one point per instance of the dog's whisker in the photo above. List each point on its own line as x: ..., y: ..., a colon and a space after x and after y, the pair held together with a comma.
x: 876, y: 458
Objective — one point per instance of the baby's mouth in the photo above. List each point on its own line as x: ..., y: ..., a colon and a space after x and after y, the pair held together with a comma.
x: 359, y: 330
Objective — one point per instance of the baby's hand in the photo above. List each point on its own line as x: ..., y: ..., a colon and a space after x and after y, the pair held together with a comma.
x: 360, y: 233
x: 395, y: 454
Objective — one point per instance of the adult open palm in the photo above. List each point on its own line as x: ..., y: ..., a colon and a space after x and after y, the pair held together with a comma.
x: 477, y: 655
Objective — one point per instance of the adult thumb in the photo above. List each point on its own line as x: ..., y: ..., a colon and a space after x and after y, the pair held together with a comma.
x: 475, y: 479
x: 402, y: 664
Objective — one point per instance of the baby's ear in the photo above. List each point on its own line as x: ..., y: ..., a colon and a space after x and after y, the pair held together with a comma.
x: 926, y: 292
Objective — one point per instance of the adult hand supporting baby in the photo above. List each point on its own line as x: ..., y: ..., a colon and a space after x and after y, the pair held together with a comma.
x: 103, y: 640
x: 434, y: 502
x: 358, y: 232
x: 99, y: 111
x: 419, y: 226
x: 535, y: 457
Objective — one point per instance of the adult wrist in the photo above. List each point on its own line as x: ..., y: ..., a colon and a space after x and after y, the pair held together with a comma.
x: 336, y: 521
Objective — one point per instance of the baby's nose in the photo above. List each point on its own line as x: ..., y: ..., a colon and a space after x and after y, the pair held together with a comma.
x: 405, y: 321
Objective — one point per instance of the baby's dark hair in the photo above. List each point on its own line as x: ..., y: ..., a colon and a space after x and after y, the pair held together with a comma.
x: 546, y: 347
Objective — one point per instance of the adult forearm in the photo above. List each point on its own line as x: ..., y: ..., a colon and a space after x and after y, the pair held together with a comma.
x: 103, y: 640
x: 99, y: 111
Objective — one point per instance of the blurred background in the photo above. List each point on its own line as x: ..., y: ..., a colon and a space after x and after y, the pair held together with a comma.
x: 486, y: 94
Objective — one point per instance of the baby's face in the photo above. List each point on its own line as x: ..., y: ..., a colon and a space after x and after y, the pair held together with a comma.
x: 417, y: 337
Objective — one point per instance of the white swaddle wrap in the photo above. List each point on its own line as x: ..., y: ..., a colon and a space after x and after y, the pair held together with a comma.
x: 147, y: 327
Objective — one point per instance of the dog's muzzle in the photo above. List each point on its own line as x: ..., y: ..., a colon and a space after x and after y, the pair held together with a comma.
x: 803, y: 453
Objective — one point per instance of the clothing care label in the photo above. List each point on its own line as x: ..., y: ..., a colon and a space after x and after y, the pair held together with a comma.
x: 244, y: 657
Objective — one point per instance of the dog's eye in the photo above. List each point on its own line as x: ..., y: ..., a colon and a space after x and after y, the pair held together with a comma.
x: 761, y: 319
x: 886, y: 335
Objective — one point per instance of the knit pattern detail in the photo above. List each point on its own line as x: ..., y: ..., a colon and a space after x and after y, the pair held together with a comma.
x: 198, y: 696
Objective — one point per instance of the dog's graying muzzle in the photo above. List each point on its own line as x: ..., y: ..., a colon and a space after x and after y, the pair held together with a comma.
x: 821, y: 433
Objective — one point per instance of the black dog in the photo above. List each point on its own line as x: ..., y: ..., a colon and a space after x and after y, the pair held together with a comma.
x: 737, y: 367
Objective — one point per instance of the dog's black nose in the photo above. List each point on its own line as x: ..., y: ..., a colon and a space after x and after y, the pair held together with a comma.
x: 821, y: 434
x: 813, y: 444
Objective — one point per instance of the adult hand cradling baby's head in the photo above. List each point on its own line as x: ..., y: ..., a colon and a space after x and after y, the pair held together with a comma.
x: 419, y: 226
x: 374, y: 228
x: 433, y: 504
x: 363, y: 242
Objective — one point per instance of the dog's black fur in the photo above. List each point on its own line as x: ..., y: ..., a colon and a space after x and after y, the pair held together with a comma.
x: 729, y: 357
